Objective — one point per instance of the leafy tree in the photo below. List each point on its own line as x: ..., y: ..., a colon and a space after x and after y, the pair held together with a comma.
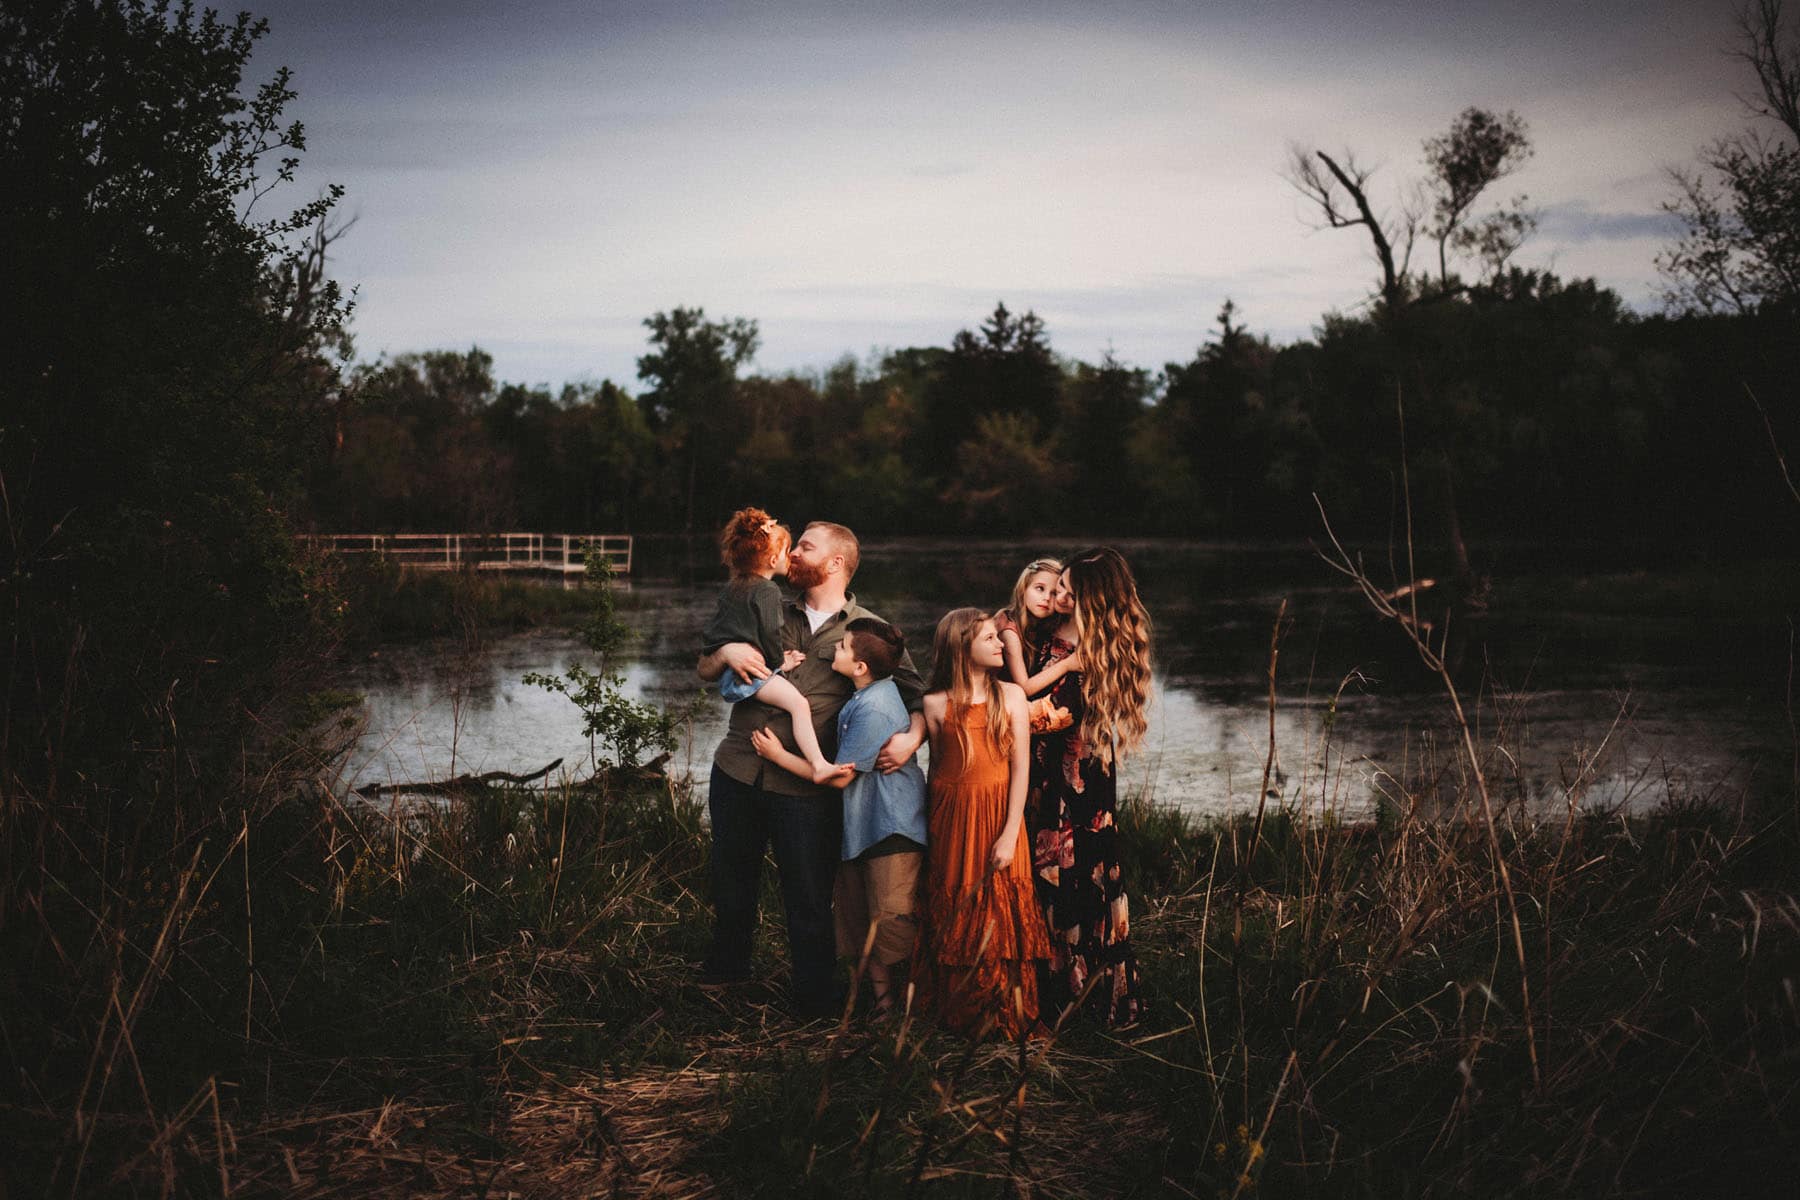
x: 1480, y: 149
x: 1741, y: 206
x: 1004, y: 369
x: 692, y: 372
x: 423, y: 446
x: 1238, y: 429
x: 1101, y: 408
x: 1740, y: 251
x: 166, y: 362
x: 868, y: 418
x: 774, y: 424
x: 1007, y: 477
x: 601, y: 454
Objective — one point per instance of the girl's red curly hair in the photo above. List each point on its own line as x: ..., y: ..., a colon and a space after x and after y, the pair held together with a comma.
x: 749, y: 540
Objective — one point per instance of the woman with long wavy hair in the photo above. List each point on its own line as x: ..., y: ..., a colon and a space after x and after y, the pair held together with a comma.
x: 1074, y: 785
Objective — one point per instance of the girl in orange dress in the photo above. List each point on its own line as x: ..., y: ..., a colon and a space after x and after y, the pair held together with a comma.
x: 983, y: 930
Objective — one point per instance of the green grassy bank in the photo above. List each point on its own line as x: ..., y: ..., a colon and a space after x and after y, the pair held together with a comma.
x: 385, y: 604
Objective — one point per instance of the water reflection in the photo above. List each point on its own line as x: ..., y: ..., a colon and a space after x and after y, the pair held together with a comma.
x: 1619, y: 712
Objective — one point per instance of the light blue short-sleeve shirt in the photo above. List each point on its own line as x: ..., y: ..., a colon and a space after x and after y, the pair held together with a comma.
x: 878, y: 805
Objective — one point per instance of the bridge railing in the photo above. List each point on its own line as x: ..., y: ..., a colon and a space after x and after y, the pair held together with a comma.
x: 555, y: 552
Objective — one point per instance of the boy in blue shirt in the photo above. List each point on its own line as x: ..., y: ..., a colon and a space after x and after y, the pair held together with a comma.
x: 884, y: 814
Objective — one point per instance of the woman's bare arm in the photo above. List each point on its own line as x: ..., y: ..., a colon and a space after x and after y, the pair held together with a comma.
x: 1050, y: 674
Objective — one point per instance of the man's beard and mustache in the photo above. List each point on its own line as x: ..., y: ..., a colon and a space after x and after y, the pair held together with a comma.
x: 804, y: 575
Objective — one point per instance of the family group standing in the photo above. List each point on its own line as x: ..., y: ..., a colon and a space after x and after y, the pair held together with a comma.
x: 992, y: 886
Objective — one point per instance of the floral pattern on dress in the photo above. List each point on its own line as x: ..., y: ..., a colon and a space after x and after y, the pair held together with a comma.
x: 1071, y: 811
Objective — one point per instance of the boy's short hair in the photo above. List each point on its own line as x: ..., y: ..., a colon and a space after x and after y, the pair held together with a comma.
x: 875, y: 644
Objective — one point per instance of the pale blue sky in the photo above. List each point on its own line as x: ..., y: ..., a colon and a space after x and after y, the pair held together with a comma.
x: 536, y: 178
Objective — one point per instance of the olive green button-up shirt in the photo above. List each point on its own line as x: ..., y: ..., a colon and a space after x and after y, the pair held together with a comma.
x: 825, y: 691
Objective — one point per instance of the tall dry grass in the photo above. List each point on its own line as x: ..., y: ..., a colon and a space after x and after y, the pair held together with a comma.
x: 492, y: 995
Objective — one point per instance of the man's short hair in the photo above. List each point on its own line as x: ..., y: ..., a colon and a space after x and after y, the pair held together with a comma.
x: 875, y: 644
x: 843, y: 542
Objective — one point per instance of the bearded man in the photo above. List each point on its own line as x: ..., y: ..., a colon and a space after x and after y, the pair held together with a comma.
x: 755, y: 805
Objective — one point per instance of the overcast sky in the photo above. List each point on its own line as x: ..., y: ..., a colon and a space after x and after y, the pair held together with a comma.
x: 537, y: 177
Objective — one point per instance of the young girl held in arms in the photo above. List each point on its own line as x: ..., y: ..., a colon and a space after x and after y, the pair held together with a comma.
x: 1024, y: 624
x: 754, y: 547
x: 983, y: 929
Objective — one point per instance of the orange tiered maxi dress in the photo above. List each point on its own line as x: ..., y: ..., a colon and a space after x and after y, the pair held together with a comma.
x: 982, y: 929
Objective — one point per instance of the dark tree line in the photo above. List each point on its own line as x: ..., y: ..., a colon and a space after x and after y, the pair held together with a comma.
x: 1562, y: 411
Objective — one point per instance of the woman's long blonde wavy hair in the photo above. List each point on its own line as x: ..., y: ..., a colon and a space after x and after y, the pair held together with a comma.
x: 1112, y: 631
x: 953, y: 674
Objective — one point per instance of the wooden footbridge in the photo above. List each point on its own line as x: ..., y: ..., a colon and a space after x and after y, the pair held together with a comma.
x: 557, y: 553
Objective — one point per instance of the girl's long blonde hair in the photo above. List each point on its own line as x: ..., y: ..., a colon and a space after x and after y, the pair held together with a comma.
x: 953, y: 674
x: 1015, y: 608
x: 1112, y: 631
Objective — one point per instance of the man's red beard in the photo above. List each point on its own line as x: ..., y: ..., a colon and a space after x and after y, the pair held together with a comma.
x: 804, y: 575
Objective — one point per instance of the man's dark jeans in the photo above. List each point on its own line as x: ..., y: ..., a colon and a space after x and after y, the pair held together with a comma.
x: 807, y: 833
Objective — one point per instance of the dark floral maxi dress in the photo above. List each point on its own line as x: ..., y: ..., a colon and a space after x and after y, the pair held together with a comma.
x: 1075, y: 854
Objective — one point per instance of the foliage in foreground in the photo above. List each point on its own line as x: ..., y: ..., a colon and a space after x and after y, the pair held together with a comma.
x: 497, y: 992
x: 620, y: 730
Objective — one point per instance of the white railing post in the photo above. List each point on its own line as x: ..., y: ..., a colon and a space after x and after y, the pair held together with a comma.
x: 518, y: 550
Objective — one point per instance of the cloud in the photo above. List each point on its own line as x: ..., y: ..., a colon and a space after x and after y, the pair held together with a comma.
x: 538, y: 177
x: 1577, y: 222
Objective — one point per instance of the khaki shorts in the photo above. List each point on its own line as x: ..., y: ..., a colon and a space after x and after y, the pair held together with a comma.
x: 882, y: 892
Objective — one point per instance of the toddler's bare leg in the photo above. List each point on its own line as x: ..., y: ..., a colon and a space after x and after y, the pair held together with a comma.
x: 785, y: 696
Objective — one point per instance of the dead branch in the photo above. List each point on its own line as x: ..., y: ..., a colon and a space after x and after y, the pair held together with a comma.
x: 1434, y: 661
x: 1774, y: 444
x: 1777, y: 66
x: 1306, y: 176
x: 456, y: 786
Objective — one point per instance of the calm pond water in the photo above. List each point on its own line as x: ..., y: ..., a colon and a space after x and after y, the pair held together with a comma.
x: 1623, y: 711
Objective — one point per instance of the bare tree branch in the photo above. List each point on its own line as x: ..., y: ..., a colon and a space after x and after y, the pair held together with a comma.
x: 1777, y: 67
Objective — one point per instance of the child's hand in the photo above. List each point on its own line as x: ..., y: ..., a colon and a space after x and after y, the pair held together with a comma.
x: 1046, y: 717
x: 765, y: 743
x: 1001, y: 856
x: 791, y: 659
x: 1073, y: 662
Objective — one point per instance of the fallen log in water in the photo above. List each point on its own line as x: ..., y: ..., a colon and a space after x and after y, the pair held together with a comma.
x: 463, y: 784
x: 452, y: 787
